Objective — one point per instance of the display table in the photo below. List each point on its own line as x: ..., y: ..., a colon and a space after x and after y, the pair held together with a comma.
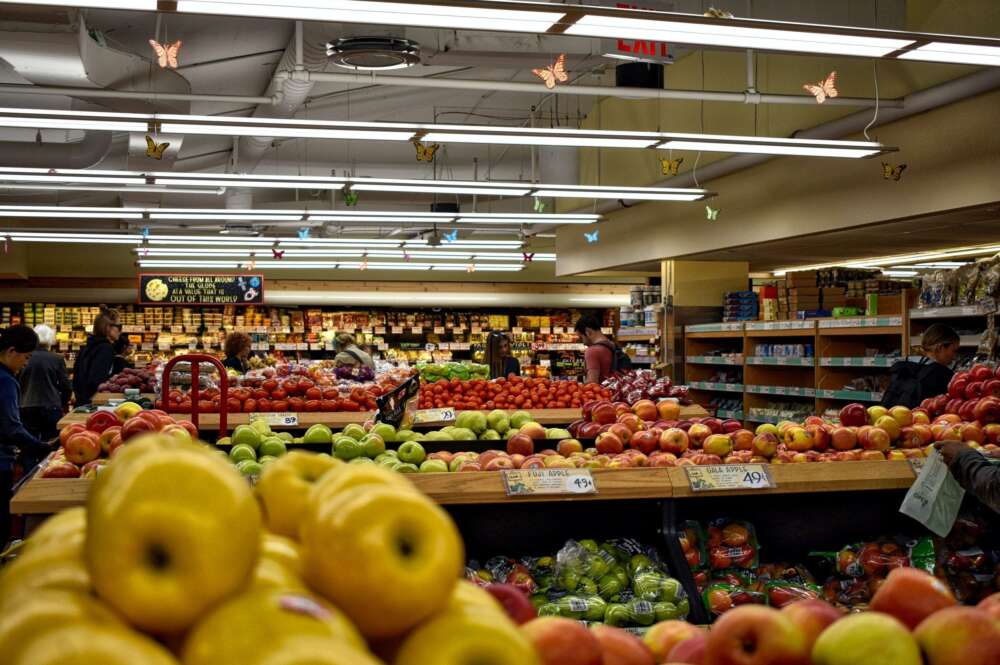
x: 50, y: 495
x: 101, y: 399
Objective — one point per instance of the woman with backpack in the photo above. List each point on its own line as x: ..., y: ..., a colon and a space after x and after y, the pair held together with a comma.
x: 913, y: 382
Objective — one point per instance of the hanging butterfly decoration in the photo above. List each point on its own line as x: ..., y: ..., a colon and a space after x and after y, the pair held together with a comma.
x: 425, y: 153
x: 470, y: 268
x: 363, y: 265
x: 554, y: 73
x: 539, y: 205
x: 350, y: 196
x: 718, y: 13
x: 528, y: 258
x: 824, y: 89
x: 592, y: 237
x: 451, y: 236
x: 6, y: 244
x: 670, y: 166
x: 711, y: 213
x: 155, y: 150
x: 276, y: 254
x: 145, y: 233
x: 406, y: 256
x: 166, y: 54
x: 304, y: 233
x: 892, y: 172
x: 252, y: 264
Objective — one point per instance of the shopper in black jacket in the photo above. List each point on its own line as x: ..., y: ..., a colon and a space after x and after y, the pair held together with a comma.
x: 96, y: 359
x: 45, y: 388
x: 973, y: 471
x: 17, y: 343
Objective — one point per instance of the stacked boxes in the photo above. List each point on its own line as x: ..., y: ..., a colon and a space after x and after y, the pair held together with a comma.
x: 740, y: 306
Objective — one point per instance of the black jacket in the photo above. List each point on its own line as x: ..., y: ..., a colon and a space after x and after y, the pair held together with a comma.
x: 13, y: 436
x: 93, y: 367
x: 978, y: 476
x: 44, y: 382
x: 236, y: 363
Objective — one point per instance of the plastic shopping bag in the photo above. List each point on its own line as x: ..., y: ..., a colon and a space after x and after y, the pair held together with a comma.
x: 935, y: 498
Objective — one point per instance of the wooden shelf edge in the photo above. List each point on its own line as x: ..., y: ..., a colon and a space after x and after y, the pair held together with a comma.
x: 817, y: 477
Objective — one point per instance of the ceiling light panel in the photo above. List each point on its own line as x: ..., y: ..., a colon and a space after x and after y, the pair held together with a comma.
x: 960, y: 54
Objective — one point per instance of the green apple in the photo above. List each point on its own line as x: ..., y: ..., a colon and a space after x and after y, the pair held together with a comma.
x: 224, y: 441
x: 286, y: 436
x: 406, y: 467
x: 241, y: 452
x: 462, y: 434
x: 617, y: 614
x: 346, y: 448
x: 510, y: 432
x: 556, y: 433
x: 265, y: 459
x: 433, y: 466
x: 361, y: 460
x: 411, y: 452
x: 373, y: 444
x: 262, y: 427
x: 643, y: 612
x: 248, y: 435
x: 548, y: 610
x: 249, y: 467
x: 386, y: 431
x: 519, y: 418
x: 436, y: 436
x: 474, y: 420
x: 405, y: 435
x: 497, y: 420
x: 318, y: 433
x: 355, y: 431
x: 298, y: 439
x: 273, y: 446
x: 609, y: 586
x: 666, y: 611
x: 490, y: 435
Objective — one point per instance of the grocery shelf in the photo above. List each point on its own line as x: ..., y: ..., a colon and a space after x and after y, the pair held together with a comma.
x: 851, y: 395
x: 716, y: 387
x: 784, y: 361
x: 858, y: 361
x: 715, y: 360
x: 859, y: 322
x: 101, y: 399
x: 970, y: 340
x: 774, y: 420
x: 873, y: 330
x: 727, y: 327
x: 801, y: 327
x: 729, y: 414
x: 719, y: 334
x: 785, y: 391
x: 50, y: 495
x: 781, y: 332
x: 953, y: 312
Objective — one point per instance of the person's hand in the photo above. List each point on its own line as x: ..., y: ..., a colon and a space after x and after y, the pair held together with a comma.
x: 950, y: 450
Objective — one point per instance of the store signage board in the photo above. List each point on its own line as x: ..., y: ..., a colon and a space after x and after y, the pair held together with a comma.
x: 175, y: 289
x: 727, y: 477
x: 424, y: 416
x: 277, y: 419
x: 533, y: 482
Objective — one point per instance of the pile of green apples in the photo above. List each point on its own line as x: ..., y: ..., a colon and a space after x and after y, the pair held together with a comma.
x: 254, y: 445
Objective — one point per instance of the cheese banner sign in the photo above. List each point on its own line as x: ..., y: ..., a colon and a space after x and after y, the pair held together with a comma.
x: 158, y: 289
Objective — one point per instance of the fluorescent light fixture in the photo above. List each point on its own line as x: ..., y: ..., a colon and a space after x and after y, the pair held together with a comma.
x: 900, y: 259
x: 360, y: 252
x: 331, y: 265
x: 338, y: 129
x: 38, y: 178
x: 591, y: 21
x: 900, y: 273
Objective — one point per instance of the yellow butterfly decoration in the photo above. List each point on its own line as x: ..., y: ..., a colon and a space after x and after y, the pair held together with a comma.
x: 892, y: 172
x: 166, y: 54
x: 823, y: 89
x: 554, y: 73
x: 711, y: 213
x: 718, y: 13
x: 155, y: 150
x: 425, y: 153
x: 670, y: 166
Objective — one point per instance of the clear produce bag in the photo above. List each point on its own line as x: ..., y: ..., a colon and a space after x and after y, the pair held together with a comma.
x: 935, y: 498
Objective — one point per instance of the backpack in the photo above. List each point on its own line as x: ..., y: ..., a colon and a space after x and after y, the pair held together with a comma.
x: 620, y: 362
x: 905, y: 387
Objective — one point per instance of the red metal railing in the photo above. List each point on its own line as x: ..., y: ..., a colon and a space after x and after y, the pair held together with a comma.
x: 196, y: 359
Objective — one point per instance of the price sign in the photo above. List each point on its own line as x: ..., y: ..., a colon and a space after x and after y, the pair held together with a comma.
x: 532, y: 482
x: 366, y: 331
x: 438, y: 330
x: 560, y: 331
x: 380, y: 330
x: 417, y: 330
x: 277, y: 419
x: 545, y: 331
x: 397, y: 330
x: 722, y: 477
x: 430, y: 347
x: 434, y: 416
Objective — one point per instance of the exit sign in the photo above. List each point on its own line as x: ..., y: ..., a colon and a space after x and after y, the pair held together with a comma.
x: 640, y: 50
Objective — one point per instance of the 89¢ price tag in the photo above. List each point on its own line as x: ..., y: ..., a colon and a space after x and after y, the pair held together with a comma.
x: 277, y: 419
x: 531, y: 482
x: 723, y: 477
x: 433, y: 416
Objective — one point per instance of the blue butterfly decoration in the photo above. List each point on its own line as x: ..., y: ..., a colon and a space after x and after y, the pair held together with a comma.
x: 592, y: 237
x: 145, y: 232
x: 451, y: 237
x: 304, y: 233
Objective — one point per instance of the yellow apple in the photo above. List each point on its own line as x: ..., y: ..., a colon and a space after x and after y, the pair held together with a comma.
x: 282, y: 550
x: 869, y: 637
x: 389, y: 558
x: 876, y: 412
x: 53, y: 565
x: 172, y: 529
x: 284, y: 487
x: 349, y: 476
x: 126, y: 410
x: 890, y: 425
x: 45, y: 610
x: 79, y: 643
x: 262, y: 619
x: 310, y: 650
x: 55, y: 528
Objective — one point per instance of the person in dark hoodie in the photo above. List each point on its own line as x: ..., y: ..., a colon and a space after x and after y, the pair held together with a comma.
x: 96, y: 359
x: 17, y: 343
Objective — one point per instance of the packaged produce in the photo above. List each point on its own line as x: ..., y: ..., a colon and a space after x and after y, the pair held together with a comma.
x: 692, y: 541
x: 397, y: 406
x: 635, y: 385
x: 720, y: 597
x: 732, y: 544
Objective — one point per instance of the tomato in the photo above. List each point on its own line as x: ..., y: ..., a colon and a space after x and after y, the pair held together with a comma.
x: 329, y: 405
x: 250, y: 406
x: 279, y: 405
x: 350, y: 405
x: 296, y: 404
x: 205, y: 406
x: 314, y: 394
x: 259, y: 393
x: 269, y: 385
x: 278, y: 393
x: 331, y: 393
x: 234, y: 405
x: 264, y: 405
x: 312, y: 405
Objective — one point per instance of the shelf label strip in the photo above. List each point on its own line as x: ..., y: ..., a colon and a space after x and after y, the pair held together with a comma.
x: 532, y: 482
x: 725, y: 477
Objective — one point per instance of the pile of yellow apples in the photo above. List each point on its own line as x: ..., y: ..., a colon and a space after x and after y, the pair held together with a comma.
x: 176, y: 559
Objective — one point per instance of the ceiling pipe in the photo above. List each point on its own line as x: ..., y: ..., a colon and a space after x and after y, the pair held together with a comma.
x: 95, y: 93
x: 943, y: 94
x: 745, y: 97
x: 83, y: 154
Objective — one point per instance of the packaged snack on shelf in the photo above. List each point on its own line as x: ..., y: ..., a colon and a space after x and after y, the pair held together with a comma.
x: 732, y: 544
x: 397, y: 406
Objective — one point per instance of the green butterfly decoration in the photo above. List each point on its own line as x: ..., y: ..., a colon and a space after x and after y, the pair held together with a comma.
x: 539, y: 205
x: 711, y: 213
x: 350, y: 196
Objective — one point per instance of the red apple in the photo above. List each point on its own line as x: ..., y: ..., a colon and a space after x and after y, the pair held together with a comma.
x: 874, y: 438
x: 107, y: 436
x: 853, y: 415
x: 496, y: 464
x: 742, y: 439
x: 619, y: 647
x: 60, y: 468
x: 137, y: 425
x: 520, y: 444
x: 959, y: 636
x: 589, y: 430
x: 765, y: 444
x: 820, y: 437
x: 697, y: 434
x: 911, y: 595
x: 559, y: 641
x: 603, y: 413
x: 755, y: 635
x: 668, y: 409
x: 609, y: 444
x: 645, y: 441
x: 713, y: 424
x: 646, y: 410
x: 662, y: 637
x: 690, y: 651
x: 631, y: 421
x: 843, y: 438
x: 514, y: 601
x: 991, y: 606
x: 674, y: 440
x: 68, y: 431
x: 813, y: 420
x: 532, y: 462
x: 82, y: 447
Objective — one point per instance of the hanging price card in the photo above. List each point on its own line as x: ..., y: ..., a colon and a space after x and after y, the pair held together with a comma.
x: 277, y: 419
x: 433, y: 416
x: 417, y: 330
x: 397, y: 330
x: 722, y: 477
x: 531, y: 482
x: 438, y: 330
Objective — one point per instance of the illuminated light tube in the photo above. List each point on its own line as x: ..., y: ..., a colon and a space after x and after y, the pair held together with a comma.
x: 219, y: 125
x: 899, y: 259
x: 130, y: 181
x: 331, y: 265
x: 592, y: 21
x: 360, y: 252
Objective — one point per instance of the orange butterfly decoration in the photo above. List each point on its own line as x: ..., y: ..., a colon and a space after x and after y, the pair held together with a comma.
x: 554, y: 73
x: 823, y: 89
x: 166, y: 54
